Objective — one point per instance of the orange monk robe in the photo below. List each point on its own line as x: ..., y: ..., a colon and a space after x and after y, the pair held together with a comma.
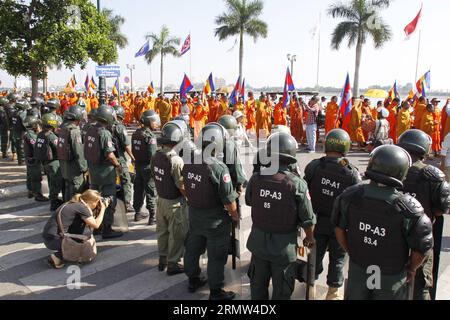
x: 223, y: 109
x: 139, y: 108
x: 403, y: 121
x: 126, y: 104
x: 296, y: 114
x: 279, y: 115
x: 263, y: 121
x: 331, y: 116
x: 94, y: 102
x: 73, y: 100
x: 87, y: 102
x: 419, y: 110
x: 431, y: 125
x: 445, y: 122
x: 250, y: 113
x: 392, y: 119
x: 176, y: 107
x: 200, y: 114
x: 355, y: 125
x: 213, y: 110
x: 165, y: 111
x: 374, y: 113
x: 239, y: 107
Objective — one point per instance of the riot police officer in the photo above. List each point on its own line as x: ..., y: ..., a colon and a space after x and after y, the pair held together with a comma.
x: 385, y: 232
x: 171, y: 207
x: 91, y: 122
x: 10, y: 112
x: 71, y: 154
x: 4, y: 125
x: 45, y: 152
x: 428, y: 185
x: 52, y: 106
x: 212, y: 206
x: 103, y: 164
x: 280, y: 204
x: 36, y: 106
x: 327, y: 178
x: 144, y: 145
x: 34, y: 167
x: 122, y: 145
x: 17, y: 128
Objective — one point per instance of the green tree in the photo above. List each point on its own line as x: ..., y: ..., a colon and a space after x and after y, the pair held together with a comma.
x: 116, y: 22
x: 163, y: 44
x: 52, y: 32
x: 241, y: 18
x: 362, y: 20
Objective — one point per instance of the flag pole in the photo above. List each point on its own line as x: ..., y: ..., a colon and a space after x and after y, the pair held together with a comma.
x: 190, y: 57
x: 418, y: 55
x: 318, y: 53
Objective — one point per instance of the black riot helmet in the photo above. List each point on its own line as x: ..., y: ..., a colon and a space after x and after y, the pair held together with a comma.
x: 149, y: 117
x: 214, y: 133
x: 105, y: 114
x: 92, y: 115
x: 120, y: 113
x: 3, y: 102
x: 228, y: 122
x: 37, y: 103
x: 74, y: 113
x: 283, y: 145
x: 389, y: 165
x: 173, y: 132
x: 22, y: 105
x: 31, y: 122
x: 339, y: 141
x: 52, y: 105
x: 416, y: 142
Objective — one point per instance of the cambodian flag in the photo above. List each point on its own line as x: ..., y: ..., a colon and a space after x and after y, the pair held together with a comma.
x: 346, y: 104
x: 288, y: 86
x: 209, y: 85
x: 236, y: 90
x: 186, y: 45
x: 86, y: 84
x: 186, y: 86
x: 242, y: 92
x: 423, y: 84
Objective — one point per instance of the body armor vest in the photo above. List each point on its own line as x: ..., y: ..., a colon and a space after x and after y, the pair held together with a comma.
x: 417, y: 186
x: 375, y: 235
x: 28, y: 146
x: 92, y: 150
x: 330, y: 179
x: 165, y: 185
x: 140, y: 147
x: 42, y: 150
x: 64, y: 147
x: 201, y: 193
x: 274, y: 208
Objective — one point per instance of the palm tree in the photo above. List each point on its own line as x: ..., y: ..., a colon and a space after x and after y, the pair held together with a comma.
x: 163, y: 44
x: 362, y: 20
x: 241, y: 18
x: 116, y: 23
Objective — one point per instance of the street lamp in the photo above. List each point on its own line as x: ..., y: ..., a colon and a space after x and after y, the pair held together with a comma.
x: 292, y: 59
x: 131, y: 67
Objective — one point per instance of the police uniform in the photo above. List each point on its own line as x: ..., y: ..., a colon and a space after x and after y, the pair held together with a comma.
x: 208, y: 188
x: 102, y: 174
x: 171, y: 208
x: 4, y: 125
x: 382, y: 226
x: 46, y: 153
x: 427, y: 184
x: 232, y: 160
x: 280, y: 204
x: 34, y: 167
x: 17, y: 130
x: 121, y: 141
x: 72, y: 161
x: 327, y: 178
x: 144, y: 148
x: 10, y: 113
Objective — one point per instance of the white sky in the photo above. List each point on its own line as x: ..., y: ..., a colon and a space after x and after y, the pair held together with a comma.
x: 290, y: 24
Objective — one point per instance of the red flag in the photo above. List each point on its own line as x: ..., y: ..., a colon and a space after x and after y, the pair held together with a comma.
x: 410, y: 28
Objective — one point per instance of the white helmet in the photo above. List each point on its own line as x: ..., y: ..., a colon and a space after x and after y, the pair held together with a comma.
x: 238, y: 114
x: 384, y: 112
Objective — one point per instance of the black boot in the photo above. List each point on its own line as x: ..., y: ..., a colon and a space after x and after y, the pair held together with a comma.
x: 151, y: 219
x: 129, y: 208
x: 109, y: 233
x: 162, y: 265
x: 174, y: 269
x: 40, y: 198
x: 221, y: 295
x: 31, y: 194
x: 196, y: 283
x: 139, y: 216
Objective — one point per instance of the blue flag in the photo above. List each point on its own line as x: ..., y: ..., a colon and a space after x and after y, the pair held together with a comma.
x: 143, y: 50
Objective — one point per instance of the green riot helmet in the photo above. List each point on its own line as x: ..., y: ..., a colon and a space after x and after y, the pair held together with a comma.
x: 416, y: 142
x: 74, y: 113
x: 37, y: 103
x: 173, y: 132
x: 281, y: 128
x: 105, y: 114
x: 150, y: 117
x: 93, y: 114
x: 283, y: 145
x: 13, y: 97
x: 214, y: 133
x: 228, y: 122
x: 3, y: 102
x: 53, y: 104
x: 50, y: 120
x: 389, y: 165
x: 31, y: 122
x: 22, y: 105
x: 120, y: 113
x: 339, y: 141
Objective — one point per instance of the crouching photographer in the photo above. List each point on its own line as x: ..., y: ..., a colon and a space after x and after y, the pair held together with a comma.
x: 69, y: 230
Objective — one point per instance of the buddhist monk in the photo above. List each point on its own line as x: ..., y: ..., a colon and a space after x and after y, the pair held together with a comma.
x: 431, y: 125
x: 403, y: 119
x: 445, y: 122
x: 175, y: 103
x: 279, y: 114
x: 263, y: 120
x: 223, y: 107
x: 94, y: 101
x: 239, y: 105
x: 297, y: 121
x: 214, y: 106
x: 250, y: 113
x: 332, y: 115
x: 419, y: 110
x: 200, y: 113
x: 355, y: 125
x: 392, y: 119
x: 164, y: 109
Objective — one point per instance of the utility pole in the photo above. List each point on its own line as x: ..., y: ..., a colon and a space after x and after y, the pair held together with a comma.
x: 292, y: 59
x: 131, y: 67
x: 101, y: 80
